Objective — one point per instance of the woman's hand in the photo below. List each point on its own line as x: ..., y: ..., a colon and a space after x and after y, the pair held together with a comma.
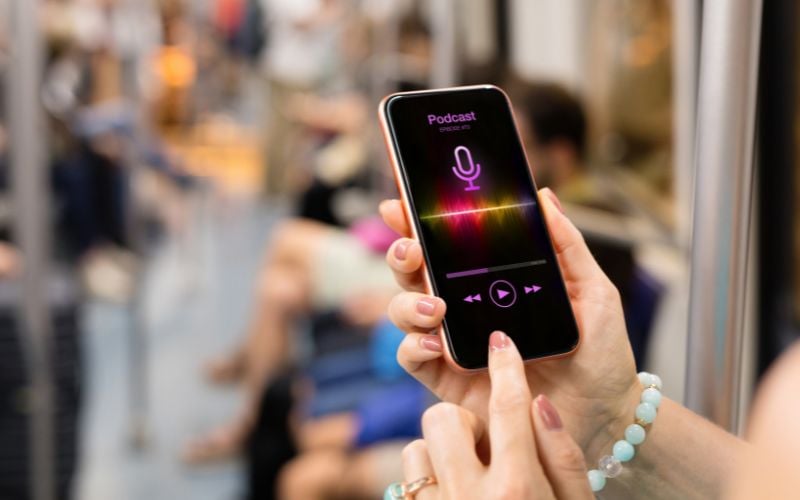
x: 596, y: 389
x: 530, y: 455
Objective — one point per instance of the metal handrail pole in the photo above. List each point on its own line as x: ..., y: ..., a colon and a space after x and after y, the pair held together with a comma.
x: 30, y: 193
x: 722, y: 207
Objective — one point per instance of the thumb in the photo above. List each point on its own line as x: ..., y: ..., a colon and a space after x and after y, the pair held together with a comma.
x: 574, y: 258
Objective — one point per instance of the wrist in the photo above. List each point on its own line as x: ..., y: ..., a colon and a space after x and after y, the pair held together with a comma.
x: 612, y: 423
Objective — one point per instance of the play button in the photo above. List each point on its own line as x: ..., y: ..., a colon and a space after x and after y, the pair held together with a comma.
x: 503, y: 293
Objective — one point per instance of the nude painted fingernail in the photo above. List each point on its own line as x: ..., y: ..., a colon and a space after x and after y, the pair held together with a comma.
x: 426, y: 306
x: 550, y: 194
x: 432, y: 343
x: 401, y: 249
x: 548, y: 412
x: 498, y: 341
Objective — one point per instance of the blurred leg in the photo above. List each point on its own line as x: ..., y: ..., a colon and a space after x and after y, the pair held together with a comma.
x: 283, y: 292
x: 336, y: 431
x: 326, y: 474
x: 369, y: 471
x: 312, y: 475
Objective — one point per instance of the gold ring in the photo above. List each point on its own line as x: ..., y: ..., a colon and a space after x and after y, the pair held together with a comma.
x: 411, y: 489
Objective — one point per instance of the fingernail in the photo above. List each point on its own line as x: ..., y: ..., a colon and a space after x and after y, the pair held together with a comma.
x: 426, y: 306
x: 550, y: 194
x: 498, y: 341
x: 548, y: 412
x: 432, y: 343
x: 401, y: 249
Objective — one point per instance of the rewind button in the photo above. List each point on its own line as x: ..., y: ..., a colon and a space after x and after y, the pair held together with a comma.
x: 473, y: 298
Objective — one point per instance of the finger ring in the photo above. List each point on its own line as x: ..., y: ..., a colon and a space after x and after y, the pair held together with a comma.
x: 407, y: 491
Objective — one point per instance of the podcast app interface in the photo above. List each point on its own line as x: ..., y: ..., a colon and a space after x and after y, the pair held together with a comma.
x: 480, y: 225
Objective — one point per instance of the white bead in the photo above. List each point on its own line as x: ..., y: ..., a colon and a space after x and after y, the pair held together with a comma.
x: 650, y: 380
x: 609, y: 466
x: 656, y: 381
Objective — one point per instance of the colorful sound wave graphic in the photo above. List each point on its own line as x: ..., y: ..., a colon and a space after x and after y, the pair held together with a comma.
x: 471, y: 211
x: 473, y: 215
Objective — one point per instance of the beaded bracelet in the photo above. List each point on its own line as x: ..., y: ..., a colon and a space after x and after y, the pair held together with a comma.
x: 610, y: 466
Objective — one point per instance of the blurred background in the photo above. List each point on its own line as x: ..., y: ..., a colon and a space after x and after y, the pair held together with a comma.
x: 192, y: 287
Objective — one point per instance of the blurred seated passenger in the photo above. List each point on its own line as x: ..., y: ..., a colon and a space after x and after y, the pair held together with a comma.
x: 308, y: 267
x: 349, y: 455
x: 346, y: 453
x: 553, y: 126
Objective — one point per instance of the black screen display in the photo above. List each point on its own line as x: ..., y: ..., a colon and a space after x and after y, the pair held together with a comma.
x: 481, y: 228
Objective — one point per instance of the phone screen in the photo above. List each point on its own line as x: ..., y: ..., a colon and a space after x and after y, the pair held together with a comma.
x: 482, y: 231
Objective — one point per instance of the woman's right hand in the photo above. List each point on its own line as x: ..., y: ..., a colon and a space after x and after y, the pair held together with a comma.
x: 522, y: 451
x: 596, y: 389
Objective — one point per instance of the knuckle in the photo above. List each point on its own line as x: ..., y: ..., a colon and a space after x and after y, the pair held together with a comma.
x: 510, y: 400
x: 440, y: 414
x: 513, y: 488
x: 414, y: 449
x: 394, y: 310
x: 401, y: 309
x: 405, y: 356
x: 569, y: 458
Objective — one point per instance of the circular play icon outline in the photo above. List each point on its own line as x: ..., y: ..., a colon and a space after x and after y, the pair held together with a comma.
x: 508, y: 298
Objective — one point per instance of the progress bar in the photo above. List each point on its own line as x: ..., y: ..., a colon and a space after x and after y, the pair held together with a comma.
x: 487, y: 270
x: 478, y: 210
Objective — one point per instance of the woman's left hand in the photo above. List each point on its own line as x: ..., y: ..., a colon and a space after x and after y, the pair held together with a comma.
x: 523, y: 452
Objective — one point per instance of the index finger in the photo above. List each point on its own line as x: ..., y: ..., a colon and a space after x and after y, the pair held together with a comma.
x: 510, y: 426
x: 395, y: 217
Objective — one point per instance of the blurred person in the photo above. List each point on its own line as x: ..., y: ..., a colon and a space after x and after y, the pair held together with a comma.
x: 89, y: 93
x: 554, y: 129
x: 85, y: 94
x: 309, y: 266
x: 339, y: 166
x: 352, y: 454
x: 346, y: 454
x: 301, y: 54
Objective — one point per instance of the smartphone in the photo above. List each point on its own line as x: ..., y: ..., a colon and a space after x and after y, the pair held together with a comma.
x: 469, y: 194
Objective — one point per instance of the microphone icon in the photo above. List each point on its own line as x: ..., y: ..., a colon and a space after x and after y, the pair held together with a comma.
x: 466, y: 174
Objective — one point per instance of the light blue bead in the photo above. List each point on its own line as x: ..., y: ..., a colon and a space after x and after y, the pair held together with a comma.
x: 635, y: 434
x: 646, y: 412
x: 597, y: 480
x: 644, y: 378
x: 623, y: 451
x: 393, y: 492
x: 651, y: 395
